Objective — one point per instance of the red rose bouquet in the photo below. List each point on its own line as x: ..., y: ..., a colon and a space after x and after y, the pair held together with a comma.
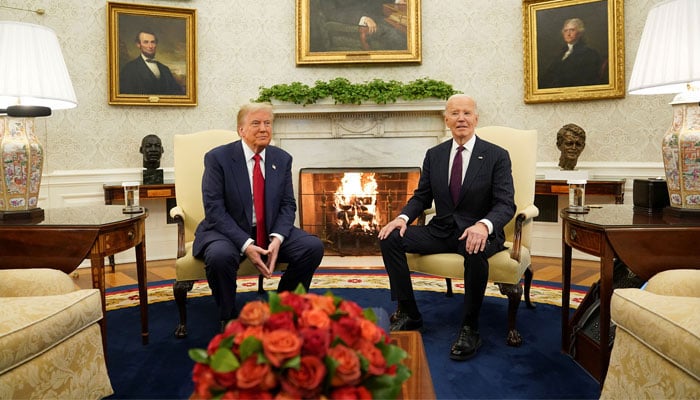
x: 300, y: 346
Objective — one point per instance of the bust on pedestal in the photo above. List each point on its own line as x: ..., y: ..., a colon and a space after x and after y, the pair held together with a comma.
x: 152, y: 150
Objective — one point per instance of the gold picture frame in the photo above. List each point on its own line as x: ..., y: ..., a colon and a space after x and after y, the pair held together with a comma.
x: 345, y: 32
x: 548, y: 76
x: 172, y: 34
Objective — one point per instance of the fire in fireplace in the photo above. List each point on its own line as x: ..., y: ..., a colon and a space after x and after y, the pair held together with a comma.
x: 346, y: 207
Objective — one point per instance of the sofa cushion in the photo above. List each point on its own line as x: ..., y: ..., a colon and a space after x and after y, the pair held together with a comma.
x: 29, y: 326
x: 668, y: 325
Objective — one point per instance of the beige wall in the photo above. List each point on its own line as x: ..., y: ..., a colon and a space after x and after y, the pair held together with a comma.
x: 241, y: 45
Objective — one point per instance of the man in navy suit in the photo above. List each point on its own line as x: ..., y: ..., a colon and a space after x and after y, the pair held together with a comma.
x: 472, y: 225
x: 227, y: 234
x: 146, y: 75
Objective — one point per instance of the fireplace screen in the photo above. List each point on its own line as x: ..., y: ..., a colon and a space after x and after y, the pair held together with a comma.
x: 346, y: 207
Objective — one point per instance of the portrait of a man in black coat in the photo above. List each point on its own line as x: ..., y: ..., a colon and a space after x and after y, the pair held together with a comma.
x: 145, y: 74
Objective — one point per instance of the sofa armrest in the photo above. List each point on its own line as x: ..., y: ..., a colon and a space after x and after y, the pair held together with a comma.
x: 676, y: 282
x: 35, y: 282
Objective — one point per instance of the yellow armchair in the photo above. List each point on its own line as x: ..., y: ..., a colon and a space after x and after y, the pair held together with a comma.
x: 507, y: 267
x: 189, y: 153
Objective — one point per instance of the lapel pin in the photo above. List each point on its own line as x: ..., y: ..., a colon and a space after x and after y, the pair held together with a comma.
x: 274, y: 166
x: 480, y: 157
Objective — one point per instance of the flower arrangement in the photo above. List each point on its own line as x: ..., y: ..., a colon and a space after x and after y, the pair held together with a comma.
x: 300, y: 345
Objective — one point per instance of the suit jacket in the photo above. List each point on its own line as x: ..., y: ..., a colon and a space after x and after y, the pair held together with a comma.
x: 228, y: 201
x: 487, y: 191
x: 137, y: 78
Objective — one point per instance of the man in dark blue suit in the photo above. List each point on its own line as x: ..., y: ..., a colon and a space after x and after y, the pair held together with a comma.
x: 227, y: 234
x: 144, y: 74
x: 469, y: 222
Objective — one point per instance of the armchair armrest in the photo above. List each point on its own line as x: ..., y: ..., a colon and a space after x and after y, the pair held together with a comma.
x: 523, y: 220
x: 178, y: 214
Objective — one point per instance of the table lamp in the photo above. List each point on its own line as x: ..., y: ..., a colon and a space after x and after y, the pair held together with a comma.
x: 668, y: 61
x: 33, y: 81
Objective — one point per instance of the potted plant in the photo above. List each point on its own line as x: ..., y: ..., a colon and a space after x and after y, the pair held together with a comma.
x: 342, y: 91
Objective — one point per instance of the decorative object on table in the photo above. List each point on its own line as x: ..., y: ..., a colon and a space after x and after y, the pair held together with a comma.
x: 571, y: 140
x: 577, y: 196
x: 668, y: 61
x: 649, y: 195
x: 300, y: 345
x: 152, y: 150
x: 347, y: 32
x: 131, y: 198
x: 34, y: 81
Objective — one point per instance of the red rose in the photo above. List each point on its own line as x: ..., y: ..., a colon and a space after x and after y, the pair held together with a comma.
x: 254, y: 331
x: 325, y: 303
x: 254, y: 313
x: 315, y: 341
x: 203, y: 378
x: 225, y: 379
x: 281, y: 320
x: 214, y: 344
x: 371, y: 332
x: 297, y: 302
x: 351, y: 393
x: 233, y: 327
x: 252, y: 375
x: 374, y: 356
x: 281, y: 345
x: 347, y: 329
x: 306, y: 381
x: 347, y: 371
x: 351, y: 308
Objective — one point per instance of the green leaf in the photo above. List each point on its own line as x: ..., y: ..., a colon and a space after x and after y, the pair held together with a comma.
x: 250, y: 346
x: 199, y: 355
x: 224, y: 360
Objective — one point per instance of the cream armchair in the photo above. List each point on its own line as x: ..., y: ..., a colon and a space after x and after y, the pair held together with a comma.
x: 189, y: 153
x: 50, y: 337
x: 656, y: 353
x: 507, y: 267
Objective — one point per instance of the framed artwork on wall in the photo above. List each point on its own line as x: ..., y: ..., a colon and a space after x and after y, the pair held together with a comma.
x: 151, y: 55
x: 573, y: 50
x: 358, y: 31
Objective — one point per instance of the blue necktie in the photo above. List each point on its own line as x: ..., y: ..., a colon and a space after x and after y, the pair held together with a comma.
x: 456, y: 175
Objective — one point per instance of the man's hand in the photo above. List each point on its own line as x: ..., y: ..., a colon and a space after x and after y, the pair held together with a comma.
x: 255, y: 255
x: 273, y: 250
x: 477, y: 235
x: 397, y: 223
x: 371, y: 25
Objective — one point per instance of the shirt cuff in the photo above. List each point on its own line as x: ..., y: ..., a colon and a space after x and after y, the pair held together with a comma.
x: 488, y: 224
x: 245, y: 245
x: 403, y: 217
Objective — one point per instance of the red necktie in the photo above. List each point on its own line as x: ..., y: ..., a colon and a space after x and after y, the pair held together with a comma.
x: 259, y: 203
x: 456, y: 175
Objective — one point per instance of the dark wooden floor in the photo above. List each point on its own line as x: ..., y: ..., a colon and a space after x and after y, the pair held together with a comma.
x: 583, y: 273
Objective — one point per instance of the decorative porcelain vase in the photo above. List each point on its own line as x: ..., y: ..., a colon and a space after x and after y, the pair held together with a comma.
x: 22, y: 162
x: 681, y: 154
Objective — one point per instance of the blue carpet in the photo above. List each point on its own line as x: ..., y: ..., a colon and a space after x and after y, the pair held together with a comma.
x: 536, y: 370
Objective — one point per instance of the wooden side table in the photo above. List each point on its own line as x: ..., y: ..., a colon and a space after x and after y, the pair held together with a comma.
x: 547, y: 192
x: 67, y: 236
x: 420, y: 384
x: 646, y: 243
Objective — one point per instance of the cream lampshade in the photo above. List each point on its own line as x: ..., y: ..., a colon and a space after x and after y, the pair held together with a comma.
x: 33, y: 81
x: 668, y: 61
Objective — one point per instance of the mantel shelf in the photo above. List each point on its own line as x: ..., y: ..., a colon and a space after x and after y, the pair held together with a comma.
x: 328, y: 107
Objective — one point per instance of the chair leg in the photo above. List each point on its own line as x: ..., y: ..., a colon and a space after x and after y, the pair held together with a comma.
x: 180, y: 289
x: 261, y: 289
x: 448, y: 282
x: 528, y: 283
x: 514, y: 293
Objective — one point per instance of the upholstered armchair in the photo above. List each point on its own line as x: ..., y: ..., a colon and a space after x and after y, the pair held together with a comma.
x: 50, y: 338
x: 189, y: 153
x: 656, y: 353
x: 507, y: 267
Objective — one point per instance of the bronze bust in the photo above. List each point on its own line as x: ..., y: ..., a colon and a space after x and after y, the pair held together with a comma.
x: 571, y: 140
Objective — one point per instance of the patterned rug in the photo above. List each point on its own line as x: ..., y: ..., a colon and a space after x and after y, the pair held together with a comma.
x: 541, y: 292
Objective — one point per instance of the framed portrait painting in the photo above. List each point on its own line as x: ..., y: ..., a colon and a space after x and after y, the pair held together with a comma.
x: 151, y: 52
x: 358, y: 31
x: 573, y: 50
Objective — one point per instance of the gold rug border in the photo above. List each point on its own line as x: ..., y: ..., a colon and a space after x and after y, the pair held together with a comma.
x: 539, y: 293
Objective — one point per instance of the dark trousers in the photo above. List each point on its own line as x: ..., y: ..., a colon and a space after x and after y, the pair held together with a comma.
x: 419, y: 239
x: 302, y: 251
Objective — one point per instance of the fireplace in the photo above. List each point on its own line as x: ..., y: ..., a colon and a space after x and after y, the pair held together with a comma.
x: 346, y: 207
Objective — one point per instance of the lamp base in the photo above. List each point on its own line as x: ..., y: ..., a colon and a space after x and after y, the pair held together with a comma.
x: 691, y: 213
x: 24, y: 215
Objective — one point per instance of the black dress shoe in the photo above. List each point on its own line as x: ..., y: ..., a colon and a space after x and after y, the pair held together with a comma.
x: 400, y: 321
x: 466, y: 345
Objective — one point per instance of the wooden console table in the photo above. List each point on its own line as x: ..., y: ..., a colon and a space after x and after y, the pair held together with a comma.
x: 67, y: 236
x: 646, y: 243
x: 420, y: 384
x: 114, y: 194
x: 615, y: 188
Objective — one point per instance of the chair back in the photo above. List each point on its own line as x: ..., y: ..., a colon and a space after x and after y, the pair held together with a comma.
x: 522, y: 147
x: 188, y: 152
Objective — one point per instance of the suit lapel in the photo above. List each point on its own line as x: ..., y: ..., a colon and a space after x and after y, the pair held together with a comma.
x: 475, y: 163
x: 242, y: 181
